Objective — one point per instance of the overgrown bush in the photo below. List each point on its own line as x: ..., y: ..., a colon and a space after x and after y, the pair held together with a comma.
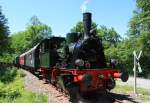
x: 12, y: 88
x: 7, y: 75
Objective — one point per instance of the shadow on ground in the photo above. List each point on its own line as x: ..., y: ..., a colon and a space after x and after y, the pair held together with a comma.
x: 106, y: 98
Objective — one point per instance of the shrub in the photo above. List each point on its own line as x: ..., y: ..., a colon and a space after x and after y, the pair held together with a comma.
x: 12, y: 88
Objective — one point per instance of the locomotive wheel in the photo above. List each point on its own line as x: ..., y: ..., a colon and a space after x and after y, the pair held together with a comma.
x: 124, y: 76
x: 73, y: 93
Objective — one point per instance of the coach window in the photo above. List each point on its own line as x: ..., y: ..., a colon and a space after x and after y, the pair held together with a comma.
x: 30, y: 58
x: 42, y: 48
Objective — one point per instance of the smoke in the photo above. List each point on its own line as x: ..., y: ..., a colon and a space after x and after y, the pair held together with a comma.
x: 84, y: 6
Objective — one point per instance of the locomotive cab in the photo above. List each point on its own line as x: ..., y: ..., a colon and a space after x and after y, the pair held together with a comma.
x: 49, y: 52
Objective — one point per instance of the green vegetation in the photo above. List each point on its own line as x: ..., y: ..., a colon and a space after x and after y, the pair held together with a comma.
x: 143, y: 94
x: 33, y: 34
x: 4, y: 32
x: 139, y: 31
x: 79, y: 27
x: 12, y: 88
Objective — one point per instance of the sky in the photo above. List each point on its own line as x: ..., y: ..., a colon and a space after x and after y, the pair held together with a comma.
x: 62, y: 15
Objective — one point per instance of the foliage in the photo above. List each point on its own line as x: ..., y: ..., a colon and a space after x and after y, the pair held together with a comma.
x: 141, y: 20
x: 4, y: 32
x: 7, y: 57
x: 7, y: 75
x: 12, y: 88
x: 34, y: 33
x: 139, y: 27
x: 29, y: 97
x: 109, y: 36
x: 10, y: 83
x: 79, y: 27
x: 19, y: 42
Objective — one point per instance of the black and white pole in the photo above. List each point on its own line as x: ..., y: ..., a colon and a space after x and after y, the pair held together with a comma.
x: 136, y: 64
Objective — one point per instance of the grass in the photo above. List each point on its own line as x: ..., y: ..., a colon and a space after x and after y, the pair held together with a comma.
x: 12, y: 88
x: 143, y: 94
x: 29, y: 97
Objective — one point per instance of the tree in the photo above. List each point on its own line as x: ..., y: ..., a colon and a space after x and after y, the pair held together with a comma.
x: 37, y: 31
x: 109, y: 36
x: 139, y: 27
x: 33, y: 34
x: 141, y: 20
x: 144, y: 41
x: 4, y: 32
x: 19, y: 42
x: 79, y: 27
x: 34, y: 21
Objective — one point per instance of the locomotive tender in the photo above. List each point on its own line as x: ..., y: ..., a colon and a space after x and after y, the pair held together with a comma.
x: 75, y: 63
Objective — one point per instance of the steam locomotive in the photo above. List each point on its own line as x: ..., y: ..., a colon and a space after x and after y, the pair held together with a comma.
x: 75, y: 63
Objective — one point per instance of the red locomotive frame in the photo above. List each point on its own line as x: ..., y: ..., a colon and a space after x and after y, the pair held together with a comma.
x: 99, y: 77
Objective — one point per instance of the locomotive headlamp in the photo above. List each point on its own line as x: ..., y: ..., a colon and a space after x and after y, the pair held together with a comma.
x: 79, y: 62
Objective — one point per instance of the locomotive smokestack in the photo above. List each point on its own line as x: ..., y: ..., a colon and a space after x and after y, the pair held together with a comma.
x: 87, y: 24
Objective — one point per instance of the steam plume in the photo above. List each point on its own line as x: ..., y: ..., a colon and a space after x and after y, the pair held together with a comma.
x: 84, y: 6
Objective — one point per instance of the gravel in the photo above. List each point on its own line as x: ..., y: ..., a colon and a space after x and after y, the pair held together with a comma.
x: 32, y: 83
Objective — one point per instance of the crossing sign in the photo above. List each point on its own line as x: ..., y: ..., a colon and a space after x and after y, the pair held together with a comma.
x: 136, y: 61
x: 136, y: 64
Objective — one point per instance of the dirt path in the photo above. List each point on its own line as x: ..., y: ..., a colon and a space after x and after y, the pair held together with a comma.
x: 33, y: 84
x: 142, y: 83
